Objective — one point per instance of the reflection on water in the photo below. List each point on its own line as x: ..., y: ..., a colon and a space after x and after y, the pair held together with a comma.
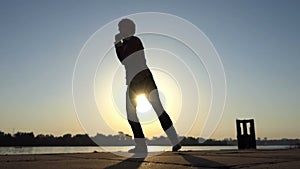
x: 84, y: 149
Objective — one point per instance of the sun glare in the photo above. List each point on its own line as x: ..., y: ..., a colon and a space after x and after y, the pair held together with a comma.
x: 143, y: 104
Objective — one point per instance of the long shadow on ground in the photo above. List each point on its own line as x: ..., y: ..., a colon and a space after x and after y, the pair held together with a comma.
x: 130, y: 163
x: 201, y: 162
x: 194, y: 161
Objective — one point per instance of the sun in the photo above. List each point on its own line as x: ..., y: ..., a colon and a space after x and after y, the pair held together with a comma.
x: 143, y: 104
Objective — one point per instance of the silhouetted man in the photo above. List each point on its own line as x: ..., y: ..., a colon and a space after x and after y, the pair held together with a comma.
x: 139, y: 80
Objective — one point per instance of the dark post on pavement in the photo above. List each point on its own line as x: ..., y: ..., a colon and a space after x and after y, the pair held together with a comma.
x: 246, y: 134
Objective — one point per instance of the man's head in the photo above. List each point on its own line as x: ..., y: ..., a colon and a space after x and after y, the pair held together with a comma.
x: 126, y: 27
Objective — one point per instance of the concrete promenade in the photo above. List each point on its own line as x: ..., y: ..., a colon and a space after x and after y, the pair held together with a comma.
x: 185, y: 159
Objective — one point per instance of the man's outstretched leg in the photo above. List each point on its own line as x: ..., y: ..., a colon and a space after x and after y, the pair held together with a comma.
x: 164, y: 119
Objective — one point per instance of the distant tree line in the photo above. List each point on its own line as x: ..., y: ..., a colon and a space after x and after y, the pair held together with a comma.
x: 29, y: 139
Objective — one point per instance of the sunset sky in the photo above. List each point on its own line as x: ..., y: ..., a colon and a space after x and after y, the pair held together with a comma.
x: 257, y: 41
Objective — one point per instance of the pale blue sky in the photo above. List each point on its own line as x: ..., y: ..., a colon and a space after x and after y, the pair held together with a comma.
x: 258, y: 42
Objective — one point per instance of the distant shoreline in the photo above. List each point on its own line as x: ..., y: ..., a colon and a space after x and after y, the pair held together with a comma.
x: 24, y: 139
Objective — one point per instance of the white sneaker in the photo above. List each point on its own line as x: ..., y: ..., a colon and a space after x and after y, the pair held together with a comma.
x: 138, y: 149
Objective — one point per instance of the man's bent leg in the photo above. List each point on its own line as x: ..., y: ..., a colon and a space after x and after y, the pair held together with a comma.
x: 132, y: 116
x: 136, y: 127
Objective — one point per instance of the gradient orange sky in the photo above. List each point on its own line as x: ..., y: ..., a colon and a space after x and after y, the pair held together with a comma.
x: 258, y: 43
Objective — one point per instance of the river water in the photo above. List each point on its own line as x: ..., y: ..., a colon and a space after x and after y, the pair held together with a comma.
x: 85, y: 149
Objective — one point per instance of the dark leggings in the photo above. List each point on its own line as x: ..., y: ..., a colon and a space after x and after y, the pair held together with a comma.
x: 144, y: 85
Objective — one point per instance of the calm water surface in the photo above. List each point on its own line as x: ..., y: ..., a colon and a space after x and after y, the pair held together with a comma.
x: 79, y: 149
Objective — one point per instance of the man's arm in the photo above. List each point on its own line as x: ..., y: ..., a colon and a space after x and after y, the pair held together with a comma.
x: 119, y: 46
